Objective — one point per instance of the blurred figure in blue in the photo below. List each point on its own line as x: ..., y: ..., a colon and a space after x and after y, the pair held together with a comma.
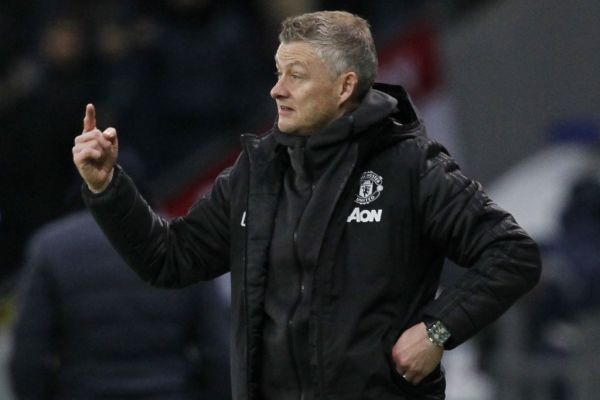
x: 578, y: 242
x: 87, y: 327
x: 572, y: 285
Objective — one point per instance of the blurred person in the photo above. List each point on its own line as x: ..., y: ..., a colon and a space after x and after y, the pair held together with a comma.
x: 570, y: 289
x: 334, y: 226
x: 199, y: 49
x: 578, y: 241
x: 86, y: 327
x: 560, y: 313
x: 17, y: 30
x: 33, y: 171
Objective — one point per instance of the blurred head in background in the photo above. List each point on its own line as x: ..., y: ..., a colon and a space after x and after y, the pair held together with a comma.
x: 61, y: 44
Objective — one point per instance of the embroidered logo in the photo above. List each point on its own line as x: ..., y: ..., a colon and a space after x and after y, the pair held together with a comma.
x: 370, y: 188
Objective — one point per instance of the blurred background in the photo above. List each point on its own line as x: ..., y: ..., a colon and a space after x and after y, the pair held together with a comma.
x: 510, y: 87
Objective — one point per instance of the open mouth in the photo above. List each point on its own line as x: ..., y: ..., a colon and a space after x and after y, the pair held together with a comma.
x: 285, y: 108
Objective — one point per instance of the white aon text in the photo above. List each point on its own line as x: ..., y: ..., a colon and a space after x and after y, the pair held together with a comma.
x: 358, y: 215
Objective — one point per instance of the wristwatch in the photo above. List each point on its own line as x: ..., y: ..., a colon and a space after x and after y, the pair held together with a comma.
x: 437, y: 333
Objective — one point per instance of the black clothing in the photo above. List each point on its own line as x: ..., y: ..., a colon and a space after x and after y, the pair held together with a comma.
x: 388, y: 206
x: 279, y: 358
x: 88, y: 328
x: 284, y: 348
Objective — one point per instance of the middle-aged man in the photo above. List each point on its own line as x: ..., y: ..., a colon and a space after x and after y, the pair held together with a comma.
x: 334, y: 225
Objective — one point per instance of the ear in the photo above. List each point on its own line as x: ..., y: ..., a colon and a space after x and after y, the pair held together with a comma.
x: 348, y: 86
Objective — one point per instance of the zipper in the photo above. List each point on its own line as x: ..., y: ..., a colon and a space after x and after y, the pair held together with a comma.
x: 299, y: 298
x: 245, y: 139
x: 320, y: 356
x: 290, y: 322
x: 319, y: 316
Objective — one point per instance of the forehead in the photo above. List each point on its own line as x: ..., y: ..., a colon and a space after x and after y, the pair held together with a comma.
x: 296, y: 53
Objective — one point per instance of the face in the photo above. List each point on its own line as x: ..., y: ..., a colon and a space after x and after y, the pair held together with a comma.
x: 307, y: 96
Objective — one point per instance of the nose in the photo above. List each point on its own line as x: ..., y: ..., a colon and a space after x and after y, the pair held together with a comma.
x: 279, y: 91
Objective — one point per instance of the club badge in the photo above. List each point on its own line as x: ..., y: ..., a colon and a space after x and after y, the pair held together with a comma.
x: 370, y: 188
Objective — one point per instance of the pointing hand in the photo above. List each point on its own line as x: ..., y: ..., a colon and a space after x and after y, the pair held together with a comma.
x: 95, y: 152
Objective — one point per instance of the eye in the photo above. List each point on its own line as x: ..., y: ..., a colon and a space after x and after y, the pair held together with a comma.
x: 297, y: 76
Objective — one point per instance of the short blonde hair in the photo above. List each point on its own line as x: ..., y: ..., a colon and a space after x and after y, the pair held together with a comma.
x: 341, y: 39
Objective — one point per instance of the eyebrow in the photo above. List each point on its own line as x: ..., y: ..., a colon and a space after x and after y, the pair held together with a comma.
x: 293, y: 63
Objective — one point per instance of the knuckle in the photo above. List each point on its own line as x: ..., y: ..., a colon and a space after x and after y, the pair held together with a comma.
x: 88, y: 152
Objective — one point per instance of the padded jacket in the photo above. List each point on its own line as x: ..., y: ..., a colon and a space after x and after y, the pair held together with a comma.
x: 385, y: 219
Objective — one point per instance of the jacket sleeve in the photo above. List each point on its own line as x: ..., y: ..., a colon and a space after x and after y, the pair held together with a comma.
x: 461, y: 221
x: 165, y: 253
x: 34, y: 358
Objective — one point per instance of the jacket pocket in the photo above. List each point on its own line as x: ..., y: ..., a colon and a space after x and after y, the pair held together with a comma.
x: 432, y: 387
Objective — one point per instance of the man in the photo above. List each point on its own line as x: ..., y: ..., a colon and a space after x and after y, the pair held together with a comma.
x: 334, y: 226
x: 88, y: 328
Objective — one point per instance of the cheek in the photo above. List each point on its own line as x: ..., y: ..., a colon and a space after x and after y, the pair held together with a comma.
x: 315, y: 107
x: 324, y: 105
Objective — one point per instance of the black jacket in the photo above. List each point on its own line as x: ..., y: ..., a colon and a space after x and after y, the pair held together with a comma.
x: 386, y: 216
x: 88, y: 328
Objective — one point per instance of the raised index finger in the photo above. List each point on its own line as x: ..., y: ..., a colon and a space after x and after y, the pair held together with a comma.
x: 89, y: 121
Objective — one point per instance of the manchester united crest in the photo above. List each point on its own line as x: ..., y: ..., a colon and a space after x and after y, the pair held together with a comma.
x: 370, y: 188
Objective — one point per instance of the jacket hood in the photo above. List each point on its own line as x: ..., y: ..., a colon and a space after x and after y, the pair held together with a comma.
x: 381, y: 102
x: 404, y: 112
x: 375, y: 106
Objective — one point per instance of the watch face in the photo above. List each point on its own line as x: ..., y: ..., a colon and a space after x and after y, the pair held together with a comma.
x: 438, y: 333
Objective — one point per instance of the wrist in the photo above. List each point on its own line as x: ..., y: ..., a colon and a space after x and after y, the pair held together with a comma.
x: 100, y: 189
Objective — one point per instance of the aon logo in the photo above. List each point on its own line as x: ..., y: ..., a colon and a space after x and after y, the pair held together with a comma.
x: 358, y: 215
